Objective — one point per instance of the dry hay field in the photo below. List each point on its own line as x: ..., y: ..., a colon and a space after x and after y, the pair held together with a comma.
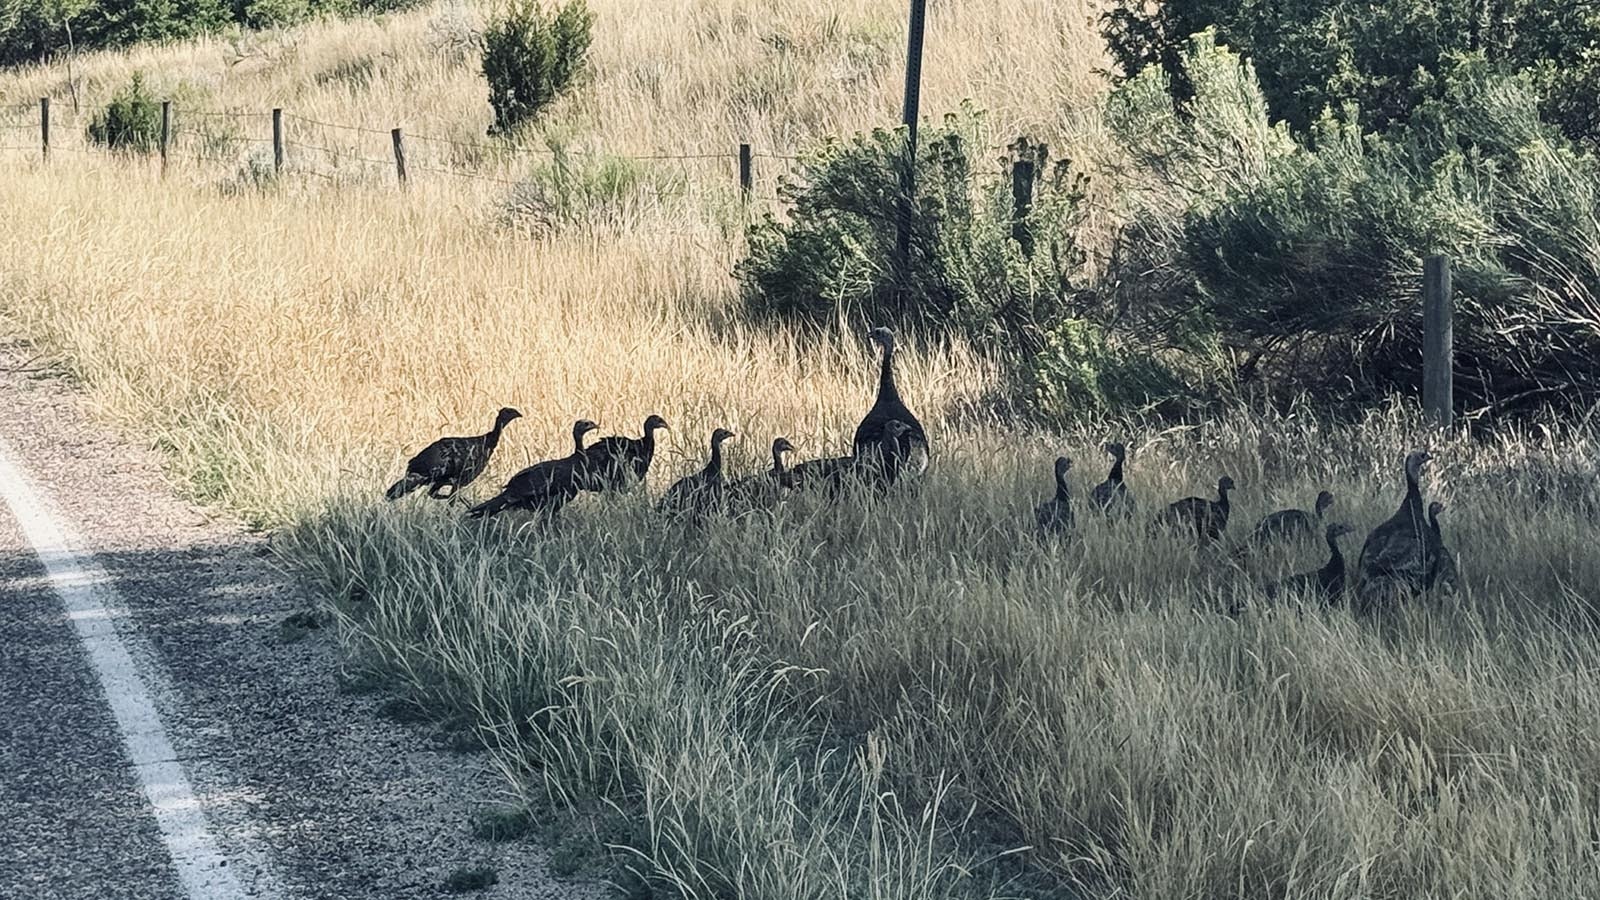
x: 912, y: 699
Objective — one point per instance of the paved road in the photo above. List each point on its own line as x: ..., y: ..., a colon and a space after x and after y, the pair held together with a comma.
x: 306, y: 791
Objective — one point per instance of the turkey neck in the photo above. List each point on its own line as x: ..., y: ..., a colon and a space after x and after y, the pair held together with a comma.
x: 1222, y: 500
x: 713, y: 468
x: 648, y: 443
x: 1061, y: 489
x: 1116, y: 470
x: 886, y: 386
x: 1413, y: 501
x: 492, y: 439
x: 1335, y: 558
x: 777, y: 463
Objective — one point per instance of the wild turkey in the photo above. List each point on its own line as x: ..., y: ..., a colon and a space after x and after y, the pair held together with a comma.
x: 544, y: 487
x: 767, y: 488
x: 1398, y: 555
x: 616, y: 462
x: 705, y: 489
x: 1326, y: 583
x: 1442, y: 574
x: 1292, y: 524
x: 452, y: 462
x: 1112, y: 496
x: 877, y: 470
x: 1207, y: 518
x: 1055, y: 514
x: 911, y: 448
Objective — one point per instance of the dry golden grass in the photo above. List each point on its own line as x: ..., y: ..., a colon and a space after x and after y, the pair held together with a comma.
x: 828, y: 702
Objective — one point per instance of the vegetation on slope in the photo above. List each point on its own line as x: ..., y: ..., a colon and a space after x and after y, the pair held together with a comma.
x: 917, y: 699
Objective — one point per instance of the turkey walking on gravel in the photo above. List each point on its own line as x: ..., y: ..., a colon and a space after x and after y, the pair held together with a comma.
x: 911, y: 447
x: 1327, y: 583
x: 452, y: 462
x: 1292, y: 524
x: 704, y: 490
x: 1206, y: 518
x: 616, y: 462
x: 547, y: 486
x: 1399, y: 554
x: 1055, y: 514
x: 1112, y: 496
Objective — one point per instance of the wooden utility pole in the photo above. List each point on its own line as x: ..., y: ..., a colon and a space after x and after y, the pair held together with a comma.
x: 1022, y: 175
x: 1438, y: 342
x: 44, y: 126
x: 746, y: 176
x: 908, y: 171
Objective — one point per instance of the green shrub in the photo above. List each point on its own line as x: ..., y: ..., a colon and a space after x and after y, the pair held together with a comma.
x: 582, y: 189
x: 1303, y: 259
x: 1387, y: 58
x: 530, y: 57
x: 834, y: 252
x: 132, y: 121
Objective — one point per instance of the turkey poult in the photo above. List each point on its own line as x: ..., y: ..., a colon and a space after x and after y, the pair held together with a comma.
x: 910, y: 455
x: 1326, y: 583
x: 877, y: 470
x: 616, y: 462
x: 1442, y: 574
x: 705, y: 489
x: 452, y: 462
x: 765, y: 489
x: 1055, y: 514
x: 1112, y: 496
x: 1206, y: 518
x: 547, y: 486
x: 1292, y: 524
x: 1399, y: 554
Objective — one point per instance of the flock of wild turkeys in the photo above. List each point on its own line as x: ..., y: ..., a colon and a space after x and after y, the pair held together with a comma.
x: 1403, y: 556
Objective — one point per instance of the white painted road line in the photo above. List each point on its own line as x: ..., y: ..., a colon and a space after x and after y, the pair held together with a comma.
x: 88, y: 596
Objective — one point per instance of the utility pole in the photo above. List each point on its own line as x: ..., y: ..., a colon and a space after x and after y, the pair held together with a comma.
x: 908, y: 171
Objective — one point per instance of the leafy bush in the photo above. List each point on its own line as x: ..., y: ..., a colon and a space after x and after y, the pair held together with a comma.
x: 530, y: 57
x: 1304, y: 259
x: 582, y: 189
x: 1387, y: 58
x: 132, y: 121
x: 834, y: 252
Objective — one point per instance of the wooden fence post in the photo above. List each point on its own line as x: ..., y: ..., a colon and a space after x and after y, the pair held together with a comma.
x: 44, y: 127
x: 399, y: 138
x: 746, y: 176
x: 1438, y: 342
x: 166, y: 133
x: 1022, y: 172
x: 277, y: 141
x: 909, y: 115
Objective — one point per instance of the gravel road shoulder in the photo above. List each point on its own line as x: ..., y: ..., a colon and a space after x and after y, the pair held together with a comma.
x: 340, y: 802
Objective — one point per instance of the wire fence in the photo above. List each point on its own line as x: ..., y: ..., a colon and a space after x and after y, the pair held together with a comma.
x: 289, y: 144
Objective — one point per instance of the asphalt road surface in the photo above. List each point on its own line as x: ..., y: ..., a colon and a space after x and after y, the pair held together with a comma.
x: 158, y: 739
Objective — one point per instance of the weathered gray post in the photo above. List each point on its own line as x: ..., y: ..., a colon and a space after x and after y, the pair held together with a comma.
x: 1022, y: 172
x: 277, y: 141
x: 908, y: 171
x: 44, y: 126
x: 166, y: 132
x: 746, y: 176
x: 1438, y: 342
x: 399, y: 138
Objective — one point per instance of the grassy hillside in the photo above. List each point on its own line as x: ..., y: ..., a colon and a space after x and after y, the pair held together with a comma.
x: 915, y: 699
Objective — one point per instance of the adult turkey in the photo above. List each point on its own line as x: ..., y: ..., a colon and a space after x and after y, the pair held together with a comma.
x: 910, y: 455
x: 1326, y: 583
x: 1442, y: 574
x: 876, y: 470
x: 1206, y: 518
x: 452, y: 462
x: 1399, y: 554
x: 616, y: 462
x: 1055, y: 515
x: 1112, y: 496
x: 704, y: 490
x: 544, y: 487
x: 1292, y: 524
